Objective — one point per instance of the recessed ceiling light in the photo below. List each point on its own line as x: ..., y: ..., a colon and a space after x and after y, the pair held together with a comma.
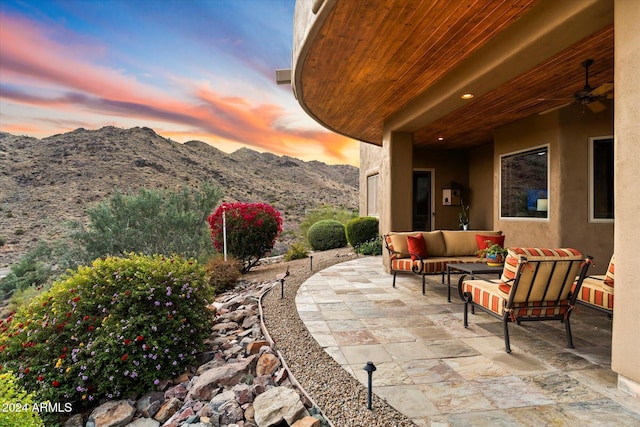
x: 441, y: 138
x: 467, y: 96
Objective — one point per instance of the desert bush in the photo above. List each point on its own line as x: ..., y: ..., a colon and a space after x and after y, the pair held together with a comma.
x: 325, y: 212
x: 150, y: 222
x: 221, y: 274
x: 252, y: 229
x: 31, y: 269
x: 296, y: 250
x: 109, y: 330
x: 12, y: 395
x: 361, y: 230
x: 327, y: 234
x: 371, y: 247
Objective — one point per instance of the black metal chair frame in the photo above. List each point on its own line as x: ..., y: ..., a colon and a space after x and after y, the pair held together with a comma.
x: 546, y: 303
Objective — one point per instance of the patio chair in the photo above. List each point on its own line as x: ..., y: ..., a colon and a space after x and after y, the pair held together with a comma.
x: 536, y: 284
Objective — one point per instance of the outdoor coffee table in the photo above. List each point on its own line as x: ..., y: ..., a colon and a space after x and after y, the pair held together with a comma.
x: 471, y: 268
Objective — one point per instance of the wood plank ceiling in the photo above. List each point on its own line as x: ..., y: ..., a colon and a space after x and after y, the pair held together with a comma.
x: 365, y: 64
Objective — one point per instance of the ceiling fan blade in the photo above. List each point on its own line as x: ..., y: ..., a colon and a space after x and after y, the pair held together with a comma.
x: 596, y: 106
x: 551, y: 110
x: 602, y: 89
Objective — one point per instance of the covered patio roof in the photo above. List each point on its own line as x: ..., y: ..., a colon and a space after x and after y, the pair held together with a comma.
x: 402, y: 65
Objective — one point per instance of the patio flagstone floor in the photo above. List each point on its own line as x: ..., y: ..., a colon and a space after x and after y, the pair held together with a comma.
x: 432, y: 369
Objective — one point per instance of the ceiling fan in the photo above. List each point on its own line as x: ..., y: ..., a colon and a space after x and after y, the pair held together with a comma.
x: 588, y: 96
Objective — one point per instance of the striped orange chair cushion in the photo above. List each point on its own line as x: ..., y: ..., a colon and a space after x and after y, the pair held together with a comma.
x: 609, y: 276
x: 594, y: 291
x: 488, y: 293
x: 561, y: 280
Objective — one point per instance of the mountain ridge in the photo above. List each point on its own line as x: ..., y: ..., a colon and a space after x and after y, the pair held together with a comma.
x: 45, y: 182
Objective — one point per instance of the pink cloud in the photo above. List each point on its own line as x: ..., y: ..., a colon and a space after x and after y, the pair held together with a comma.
x: 68, y: 81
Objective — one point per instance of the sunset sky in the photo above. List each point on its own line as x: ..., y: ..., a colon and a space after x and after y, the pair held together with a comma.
x: 189, y: 69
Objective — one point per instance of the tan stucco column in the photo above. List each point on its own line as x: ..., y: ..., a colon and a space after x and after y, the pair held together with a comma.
x: 626, y: 321
x: 396, y: 181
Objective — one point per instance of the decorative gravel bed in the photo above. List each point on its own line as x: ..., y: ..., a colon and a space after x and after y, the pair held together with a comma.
x: 340, y: 396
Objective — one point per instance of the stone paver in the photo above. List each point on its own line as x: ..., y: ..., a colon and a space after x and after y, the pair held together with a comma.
x: 435, y: 371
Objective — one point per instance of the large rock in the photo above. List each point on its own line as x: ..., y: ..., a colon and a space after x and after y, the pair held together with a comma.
x: 276, y: 405
x: 227, y: 375
x: 267, y: 364
x: 307, y: 422
x: 144, y: 422
x: 149, y: 404
x: 167, y: 409
x: 116, y: 413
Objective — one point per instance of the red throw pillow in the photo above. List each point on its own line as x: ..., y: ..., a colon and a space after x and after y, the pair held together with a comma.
x: 482, y: 241
x: 417, y: 246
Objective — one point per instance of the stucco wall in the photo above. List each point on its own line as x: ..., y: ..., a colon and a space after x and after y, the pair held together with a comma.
x: 626, y: 322
x: 596, y: 239
x: 567, y: 132
x: 481, y: 177
x: 522, y: 135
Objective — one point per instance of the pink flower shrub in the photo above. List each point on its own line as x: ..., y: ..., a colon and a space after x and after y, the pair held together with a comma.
x: 252, y: 229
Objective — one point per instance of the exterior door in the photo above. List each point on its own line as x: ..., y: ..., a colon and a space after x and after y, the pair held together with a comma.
x: 422, y: 209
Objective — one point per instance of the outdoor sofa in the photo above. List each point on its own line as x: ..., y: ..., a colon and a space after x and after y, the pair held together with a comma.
x: 441, y: 247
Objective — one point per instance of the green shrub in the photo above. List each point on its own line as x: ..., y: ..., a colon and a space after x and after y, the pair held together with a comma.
x: 361, y: 230
x: 110, y: 330
x: 221, y: 274
x: 11, y: 395
x: 150, y: 222
x: 325, y: 212
x: 372, y: 247
x: 251, y: 230
x: 30, y: 270
x: 327, y: 234
x: 296, y: 251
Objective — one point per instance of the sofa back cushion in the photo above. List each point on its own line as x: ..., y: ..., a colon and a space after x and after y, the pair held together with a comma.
x: 463, y: 243
x: 534, y: 277
x: 434, y: 242
x: 397, y: 241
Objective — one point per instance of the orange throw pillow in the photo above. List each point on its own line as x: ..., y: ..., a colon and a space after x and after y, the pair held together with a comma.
x: 417, y: 246
x: 482, y: 241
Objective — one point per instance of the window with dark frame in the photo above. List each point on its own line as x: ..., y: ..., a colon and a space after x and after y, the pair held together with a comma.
x: 372, y: 195
x: 601, y: 173
x: 524, y: 183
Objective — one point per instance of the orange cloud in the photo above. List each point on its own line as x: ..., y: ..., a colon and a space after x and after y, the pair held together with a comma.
x: 65, y: 80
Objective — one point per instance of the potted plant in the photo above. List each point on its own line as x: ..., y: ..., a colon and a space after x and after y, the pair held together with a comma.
x: 464, y: 216
x: 494, y: 253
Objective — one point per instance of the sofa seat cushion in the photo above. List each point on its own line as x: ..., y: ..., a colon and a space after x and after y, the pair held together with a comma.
x: 428, y: 266
x: 463, y: 243
x: 594, y: 291
x: 489, y: 294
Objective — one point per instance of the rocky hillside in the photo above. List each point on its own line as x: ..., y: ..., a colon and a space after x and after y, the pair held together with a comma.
x: 44, y: 182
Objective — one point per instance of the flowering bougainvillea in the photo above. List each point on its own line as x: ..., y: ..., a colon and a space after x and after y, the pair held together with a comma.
x: 252, y: 229
x: 110, y: 330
